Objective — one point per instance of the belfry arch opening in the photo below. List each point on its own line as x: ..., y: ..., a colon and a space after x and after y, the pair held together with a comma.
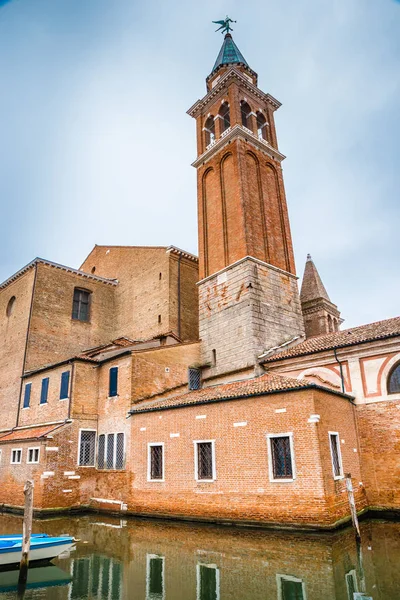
x: 224, y: 113
x: 209, y: 130
x: 262, y: 127
x: 245, y: 112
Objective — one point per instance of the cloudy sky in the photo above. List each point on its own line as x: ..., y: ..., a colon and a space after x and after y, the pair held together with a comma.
x: 96, y: 146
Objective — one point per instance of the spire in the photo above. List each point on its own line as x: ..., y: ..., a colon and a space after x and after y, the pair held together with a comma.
x: 320, y: 314
x: 312, y: 286
x: 229, y: 54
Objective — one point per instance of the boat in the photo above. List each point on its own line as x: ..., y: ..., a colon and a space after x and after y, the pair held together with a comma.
x: 42, y: 549
x: 38, y: 577
x: 8, y: 538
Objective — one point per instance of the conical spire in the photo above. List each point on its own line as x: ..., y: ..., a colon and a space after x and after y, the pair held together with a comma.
x: 229, y: 54
x: 312, y: 286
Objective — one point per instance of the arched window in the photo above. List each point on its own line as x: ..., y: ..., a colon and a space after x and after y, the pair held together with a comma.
x: 10, y: 306
x: 209, y: 128
x: 330, y: 327
x: 393, y: 385
x: 262, y: 127
x: 224, y: 113
x: 246, y: 111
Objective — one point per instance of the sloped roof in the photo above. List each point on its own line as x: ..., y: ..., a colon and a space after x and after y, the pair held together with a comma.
x: 341, y: 339
x: 31, y: 433
x: 269, y: 383
x: 229, y: 54
x: 312, y: 286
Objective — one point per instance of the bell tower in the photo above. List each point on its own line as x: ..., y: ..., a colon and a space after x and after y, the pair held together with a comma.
x: 248, y: 291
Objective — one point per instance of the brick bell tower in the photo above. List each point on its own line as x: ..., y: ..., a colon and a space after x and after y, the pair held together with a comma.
x: 248, y: 294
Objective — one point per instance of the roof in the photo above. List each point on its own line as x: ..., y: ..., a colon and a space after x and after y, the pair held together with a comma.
x: 229, y: 54
x: 269, y: 383
x: 31, y: 433
x: 312, y: 286
x: 341, y: 339
x: 43, y: 261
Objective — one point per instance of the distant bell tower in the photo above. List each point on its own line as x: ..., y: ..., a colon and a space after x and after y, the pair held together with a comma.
x: 248, y: 291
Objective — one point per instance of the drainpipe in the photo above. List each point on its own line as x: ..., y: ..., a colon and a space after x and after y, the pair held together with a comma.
x: 341, y: 369
x: 179, y: 296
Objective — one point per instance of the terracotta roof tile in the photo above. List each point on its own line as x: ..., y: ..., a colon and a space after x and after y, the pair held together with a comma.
x: 266, y: 384
x: 33, y: 433
x: 341, y: 339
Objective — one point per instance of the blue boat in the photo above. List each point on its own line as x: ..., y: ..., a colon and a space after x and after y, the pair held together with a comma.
x: 43, y: 548
x: 8, y: 538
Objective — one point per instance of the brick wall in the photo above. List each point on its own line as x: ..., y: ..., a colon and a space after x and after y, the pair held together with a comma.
x: 13, y: 329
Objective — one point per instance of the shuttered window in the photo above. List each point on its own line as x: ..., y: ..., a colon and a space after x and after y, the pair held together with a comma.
x: 44, y: 391
x: 113, y: 382
x: 64, y: 387
x: 27, y: 395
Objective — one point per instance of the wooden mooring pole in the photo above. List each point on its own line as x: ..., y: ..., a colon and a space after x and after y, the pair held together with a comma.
x: 353, y: 510
x: 26, y: 534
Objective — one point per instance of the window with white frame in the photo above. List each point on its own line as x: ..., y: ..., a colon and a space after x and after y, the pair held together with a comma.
x: 155, y: 462
x: 155, y: 587
x: 204, y: 460
x: 351, y: 584
x: 111, y: 451
x: 33, y: 456
x: 290, y: 587
x: 207, y: 579
x: 16, y: 456
x: 336, y: 455
x: 281, y: 457
x: 87, y: 448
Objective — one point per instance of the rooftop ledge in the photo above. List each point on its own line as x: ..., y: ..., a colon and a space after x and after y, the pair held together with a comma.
x: 234, y: 133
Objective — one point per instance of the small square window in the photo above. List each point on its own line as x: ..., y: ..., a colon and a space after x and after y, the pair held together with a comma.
x: 81, y: 305
x: 280, y: 452
x: 33, y: 455
x: 16, y: 456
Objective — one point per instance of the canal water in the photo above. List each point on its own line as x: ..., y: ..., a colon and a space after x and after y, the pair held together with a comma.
x: 118, y: 559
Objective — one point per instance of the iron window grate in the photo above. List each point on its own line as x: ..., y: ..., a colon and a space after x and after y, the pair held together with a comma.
x: 281, y: 457
x: 204, y: 460
x: 87, y: 448
x: 337, y: 470
x: 156, y: 462
x: 111, y: 451
x: 194, y: 377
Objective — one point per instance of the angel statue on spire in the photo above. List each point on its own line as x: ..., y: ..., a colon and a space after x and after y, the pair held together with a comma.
x: 225, y: 25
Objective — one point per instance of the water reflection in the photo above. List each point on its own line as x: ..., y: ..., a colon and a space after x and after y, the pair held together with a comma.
x: 148, y: 560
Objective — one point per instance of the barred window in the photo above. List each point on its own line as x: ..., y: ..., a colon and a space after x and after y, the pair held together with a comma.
x: 111, y: 451
x: 281, y: 460
x: 33, y: 455
x: 16, y: 456
x: 205, y: 461
x: 207, y: 582
x: 81, y: 305
x: 194, y: 377
x: 156, y: 462
x: 87, y: 445
x: 337, y: 466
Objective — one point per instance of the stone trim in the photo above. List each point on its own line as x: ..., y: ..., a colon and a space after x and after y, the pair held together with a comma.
x: 241, y: 260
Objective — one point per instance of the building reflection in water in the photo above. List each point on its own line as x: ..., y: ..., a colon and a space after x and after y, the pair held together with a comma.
x: 152, y: 560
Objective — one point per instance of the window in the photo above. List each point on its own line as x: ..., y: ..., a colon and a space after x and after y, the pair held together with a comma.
x: 209, y: 129
x: 155, y: 577
x: 207, y: 582
x: 113, y: 382
x: 27, y: 395
x: 87, y: 446
x: 262, y: 127
x: 81, y: 305
x: 394, y: 380
x: 155, y: 467
x: 290, y: 588
x: 280, y: 451
x: 64, y: 387
x: 33, y: 455
x: 16, y: 456
x: 336, y: 455
x: 44, y: 391
x: 204, y: 457
x: 224, y: 113
x: 10, y: 306
x: 111, y: 451
x: 245, y: 112
x: 194, y: 377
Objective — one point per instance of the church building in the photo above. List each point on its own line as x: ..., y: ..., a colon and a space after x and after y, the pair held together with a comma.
x: 156, y: 383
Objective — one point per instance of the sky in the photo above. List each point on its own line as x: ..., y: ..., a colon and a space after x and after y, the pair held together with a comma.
x: 96, y: 146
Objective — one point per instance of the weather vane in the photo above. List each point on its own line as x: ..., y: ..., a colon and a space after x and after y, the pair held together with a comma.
x: 225, y: 25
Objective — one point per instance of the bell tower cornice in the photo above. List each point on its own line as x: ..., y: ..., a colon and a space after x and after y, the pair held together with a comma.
x: 238, y: 132
x: 220, y: 86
